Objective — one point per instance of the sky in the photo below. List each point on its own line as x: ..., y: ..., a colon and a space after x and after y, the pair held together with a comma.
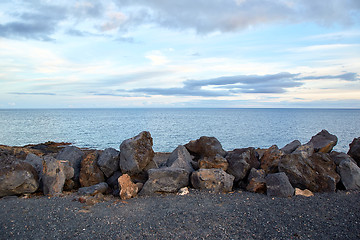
x: 180, y: 53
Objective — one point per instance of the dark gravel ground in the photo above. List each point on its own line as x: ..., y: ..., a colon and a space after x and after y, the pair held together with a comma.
x: 198, y: 215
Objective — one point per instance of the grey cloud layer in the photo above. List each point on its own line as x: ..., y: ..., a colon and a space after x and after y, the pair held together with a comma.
x: 232, y: 85
x: 36, y: 19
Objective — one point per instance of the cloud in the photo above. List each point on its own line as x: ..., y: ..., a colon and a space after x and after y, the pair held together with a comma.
x: 233, y: 85
x: 33, y: 93
x: 205, y: 16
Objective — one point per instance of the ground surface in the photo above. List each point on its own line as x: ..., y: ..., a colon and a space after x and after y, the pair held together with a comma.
x: 198, y: 215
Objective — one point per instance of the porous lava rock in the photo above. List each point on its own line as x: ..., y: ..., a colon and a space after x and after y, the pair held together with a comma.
x: 241, y: 161
x: 17, y: 177
x: 214, y: 162
x: 94, y: 189
x: 323, y: 141
x: 214, y: 180
x: 270, y: 160
x: 290, y: 147
x: 74, y: 155
x: 256, y: 181
x: 136, y: 153
x: 128, y: 189
x: 90, y: 173
x: 316, y: 173
x: 165, y: 180
x: 205, y: 147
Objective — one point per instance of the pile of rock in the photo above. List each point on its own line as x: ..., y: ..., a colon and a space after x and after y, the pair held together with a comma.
x: 201, y: 164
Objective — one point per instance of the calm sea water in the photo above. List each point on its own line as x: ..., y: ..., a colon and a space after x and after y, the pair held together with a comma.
x: 234, y: 128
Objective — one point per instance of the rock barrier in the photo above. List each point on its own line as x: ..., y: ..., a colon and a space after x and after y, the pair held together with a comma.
x: 296, y: 169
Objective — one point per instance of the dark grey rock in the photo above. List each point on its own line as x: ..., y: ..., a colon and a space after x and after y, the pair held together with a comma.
x: 136, y: 153
x: 112, y: 181
x: 93, y: 190
x: 278, y: 185
x: 338, y: 157
x: 108, y: 161
x: 354, y: 150
x: 74, y: 155
x: 270, y: 160
x: 323, y: 141
x: 256, y: 181
x: 205, y: 147
x: 350, y: 175
x: 17, y: 177
x: 36, y: 162
x: 166, y: 179
x: 241, y: 161
x: 290, y: 147
x: 160, y: 158
x: 214, y: 180
x: 180, y: 158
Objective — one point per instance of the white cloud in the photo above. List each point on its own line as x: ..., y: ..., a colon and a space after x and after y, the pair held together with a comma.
x: 157, y: 58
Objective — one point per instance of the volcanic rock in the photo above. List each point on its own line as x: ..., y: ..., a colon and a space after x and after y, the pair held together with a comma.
x: 256, y: 181
x: 90, y: 173
x: 205, y: 147
x: 350, y: 175
x: 109, y: 161
x: 214, y: 162
x: 94, y: 189
x: 305, y: 150
x: 289, y: 148
x: 74, y: 155
x: 305, y: 193
x: 136, y: 153
x: 354, y: 150
x: 323, y: 141
x: 128, y: 189
x: 214, y: 180
x: 165, y: 180
x: 17, y: 177
x: 180, y: 158
x: 270, y: 160
x: 278, y: 185
x: 316, y: 173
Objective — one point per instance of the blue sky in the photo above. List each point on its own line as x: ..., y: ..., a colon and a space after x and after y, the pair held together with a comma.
x: 189, y: 53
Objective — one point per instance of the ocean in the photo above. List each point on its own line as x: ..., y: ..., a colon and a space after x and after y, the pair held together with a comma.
x: 234, y: 128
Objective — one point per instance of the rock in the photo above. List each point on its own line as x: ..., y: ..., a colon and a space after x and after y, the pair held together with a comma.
x: 289, y: 148
x: 94, y: 189
x: 161, y: 158
x: 180, y: 158
x: 350, y: 175
x: 36, y: 162
x: 112, y: 181
x: 215, y: 180
x: 17, y: 177
x: 183, y: 191
x: 90, y: 173
x: 241, y: 161
x: 270, y: 159
x: 338, y: 157
x: 305, y: 193
x: 256, y: 181
x: 136, y: 153
x: 205, y: 147
x: 323, y: 141
x: 55, y: 172
x: 165, y: 180
x: 128, y: 189
x: 354, y: 150
x: 108, y: 161
x: 278, y: 185
x: 260, y: 152
x: 305, y: 150
x: 74, y: 155
x: 214, y: 162
x: 316, y: 173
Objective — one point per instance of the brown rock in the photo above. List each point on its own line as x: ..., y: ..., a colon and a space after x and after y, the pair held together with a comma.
x: 214, y: 180
x: 317, y: 173
x: 205, y: 147
x: 256, y: 181
x: 305, y: 193
x: 128, y: 188
x: 90, y: 173
x: 214, y: 162
x: 270, y: 159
